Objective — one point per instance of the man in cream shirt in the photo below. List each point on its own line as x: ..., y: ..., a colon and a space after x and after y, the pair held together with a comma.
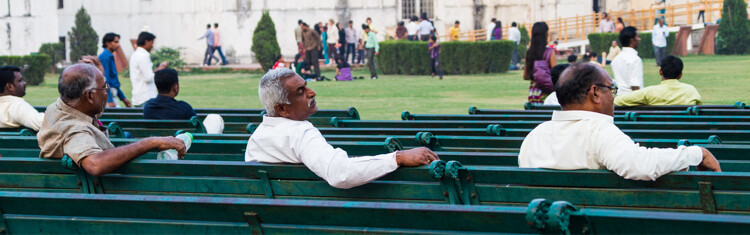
x: 141, y: 72
x: 14, y: 111
x: 583, y: 135
x: 285, y: 136
x: 627, y: 67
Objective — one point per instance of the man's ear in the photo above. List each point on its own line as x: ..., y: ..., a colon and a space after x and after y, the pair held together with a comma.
x: 593, y: 96
x: 661, y: 73
x: 176, y: 88
x: 89, y: 96
x: 281, y: 110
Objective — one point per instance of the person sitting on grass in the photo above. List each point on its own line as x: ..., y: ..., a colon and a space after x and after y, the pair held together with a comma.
x: 166, y: 107
x: 583, y: 135
x: 71, y: 126
x: 555, y: 75
x: 279, y: 62
x: 343, y: 70
x: 285, y: 136
x: 670, y: 92
x: 14, y: 111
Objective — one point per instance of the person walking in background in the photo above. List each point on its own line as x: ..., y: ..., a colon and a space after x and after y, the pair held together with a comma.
x: 434, y: 49
x: 497, y: 32
x: 619, y: 25
x: 514, y: 35
x: 627, y: 67
x: 425, y: 29
x: 371, y: 47
x: 331, y: 39
x: 351, y: 41
x: 110, y: 43
x: 341, y: 47
x: 217, y: 44
x: 411, y: 29
x: 298, y: 37
x: 539, y: 62
x: 400, y: 31
x: 141, y: 69
x: 360, y: 52
x: 701, y: 12
x: 209, y: 36
x: 491, y: 28
x: 312, y: 44
x: 372, y: 27
x: 659, y: 39
x: 606, y: 25
x: 455, y: 31
x: 324, y: 36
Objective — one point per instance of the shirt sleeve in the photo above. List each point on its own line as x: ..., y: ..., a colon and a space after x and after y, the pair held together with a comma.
x: 636, y: 76
x: 26, y: 115
x: 80, y: 145
x: 634, y: 98
x: 618, y: 153
x: 336, y: 167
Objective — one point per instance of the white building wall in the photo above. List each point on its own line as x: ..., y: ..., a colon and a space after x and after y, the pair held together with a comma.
x: 26, y: 25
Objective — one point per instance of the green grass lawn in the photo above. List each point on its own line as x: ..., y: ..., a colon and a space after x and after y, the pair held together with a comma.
x: 719, y: 79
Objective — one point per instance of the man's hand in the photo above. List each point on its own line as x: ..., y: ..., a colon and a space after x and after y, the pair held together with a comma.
x: 635, y: 88
x: 163, y: 65
x: 127, y: 103
x: 164, y: 143
x: 376, y: 53
x: 92, y: 60
x: 709, y: 162
x: 415, y: 157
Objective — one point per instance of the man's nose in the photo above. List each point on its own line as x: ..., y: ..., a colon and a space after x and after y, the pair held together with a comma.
x: 311, y: 93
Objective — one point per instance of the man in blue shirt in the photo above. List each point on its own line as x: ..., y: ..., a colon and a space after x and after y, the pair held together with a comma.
x: 110, y: 43
x: 209, y: 36
x: 164, y: 106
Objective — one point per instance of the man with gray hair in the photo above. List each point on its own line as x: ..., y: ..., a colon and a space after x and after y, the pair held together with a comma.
x: 71, y: 126
x: 285, y: 136
x: 583, y: 135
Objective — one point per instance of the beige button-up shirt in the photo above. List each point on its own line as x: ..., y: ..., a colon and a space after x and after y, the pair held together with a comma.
x: 16, y: 112
x: 66, y: 130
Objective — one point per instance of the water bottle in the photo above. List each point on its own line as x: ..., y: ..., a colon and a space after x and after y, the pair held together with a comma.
x: 171, y: 154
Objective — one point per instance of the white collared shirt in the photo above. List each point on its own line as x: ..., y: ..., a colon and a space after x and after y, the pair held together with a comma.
x: 142, y: 76
x: 627, y: 68
x: 514, y: 34
x: 411, y: 28
x: 16, y: 112
x: 551, y: 99
x: 575, y: 140
x: 490, y: 29
x: 606, y: 26
x: 282, y: 140
x: 659, y: 35
x: 425, y: 27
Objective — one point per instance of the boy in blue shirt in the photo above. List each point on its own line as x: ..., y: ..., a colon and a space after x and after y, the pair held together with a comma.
x: 110, y: 43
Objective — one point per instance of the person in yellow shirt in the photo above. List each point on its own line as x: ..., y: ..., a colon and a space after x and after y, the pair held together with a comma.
x: 454, y: 31
x: 670, y: 92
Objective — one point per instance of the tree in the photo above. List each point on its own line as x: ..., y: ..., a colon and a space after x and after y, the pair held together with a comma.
x: 83, y: 38
x: 265, y: 46
x: 734, y: 28
x: 56, y: 52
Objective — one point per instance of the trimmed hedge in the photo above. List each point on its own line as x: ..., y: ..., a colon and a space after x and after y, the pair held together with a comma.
x: 600, y: 42
x: 412, y: 57
x: 33, y: 67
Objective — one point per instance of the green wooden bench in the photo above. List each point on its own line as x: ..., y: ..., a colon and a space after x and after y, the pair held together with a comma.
x: 628, y: 116
x: 736, y: 105
x: 692, y: 110
x: 350, y: 112
x: 451, y: 183
x: 33, y: 212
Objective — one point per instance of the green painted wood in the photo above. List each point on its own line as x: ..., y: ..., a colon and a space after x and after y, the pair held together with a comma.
x: 350, y: 112
x: 529, y: 106
x: 708, y: 112
x: 547, y: 117
x: 643, y: 125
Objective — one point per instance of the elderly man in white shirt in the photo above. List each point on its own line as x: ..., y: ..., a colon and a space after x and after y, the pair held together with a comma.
x: 14, y: 111
x: 627, y: 67
x: 285, y: 136
x: 659, y: 39
x: 584, y: 136
x: 514, y: 35
x: 141, y: 72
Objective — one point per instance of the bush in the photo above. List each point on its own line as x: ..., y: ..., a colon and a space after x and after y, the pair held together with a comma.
x: 56, y: 52
x: 83, y: 38
x: 265, y: 46
x: 168, y: 54
x: 734, y: 28
x: 412, y: 57
x: 33, y: 66
x: 600, y: 42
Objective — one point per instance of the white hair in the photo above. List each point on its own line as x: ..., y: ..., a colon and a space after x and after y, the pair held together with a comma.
x: 271, y: 89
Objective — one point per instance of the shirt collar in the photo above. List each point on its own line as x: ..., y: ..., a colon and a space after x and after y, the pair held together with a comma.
x: 141, y: 50
x: 72, y: 111
x: 274, y: 121
x: 628, y: 50
x: 161, y: 97
x: 670, y: 82
x: 577, y: 115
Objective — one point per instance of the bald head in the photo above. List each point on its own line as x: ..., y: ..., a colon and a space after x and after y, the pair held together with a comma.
x: 575, y: 82
x: 76, y: 79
